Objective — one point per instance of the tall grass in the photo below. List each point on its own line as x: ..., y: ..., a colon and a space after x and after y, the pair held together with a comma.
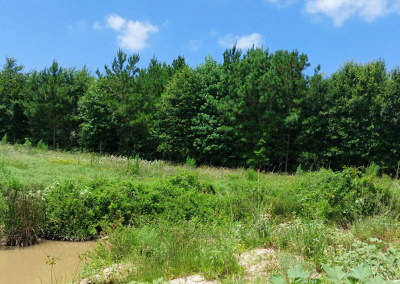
x: 22, y: 214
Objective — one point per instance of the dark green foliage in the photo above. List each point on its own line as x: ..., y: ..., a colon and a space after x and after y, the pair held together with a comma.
x: 51, y: 104
x: 190, y: 123
x: 118, y: 109
x: 264, y: 101
x: 258, y: 109
x: 12, y: 119
x: 348, y: 117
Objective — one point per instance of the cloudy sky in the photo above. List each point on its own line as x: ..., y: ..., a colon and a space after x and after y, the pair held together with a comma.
x: 90, y: 32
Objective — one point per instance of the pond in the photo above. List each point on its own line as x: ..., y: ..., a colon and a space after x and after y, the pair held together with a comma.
x: 28, y: 265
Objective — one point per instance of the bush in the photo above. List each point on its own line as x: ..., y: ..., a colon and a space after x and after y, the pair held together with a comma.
x: 190, y: 162
x: 341, y: 196
x: 250, y: 174
x: 75, y: 211
x: 4, y: 140
x: 41, y: 145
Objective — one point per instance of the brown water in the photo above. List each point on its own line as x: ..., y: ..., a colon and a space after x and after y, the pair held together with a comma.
x: 28, y: 265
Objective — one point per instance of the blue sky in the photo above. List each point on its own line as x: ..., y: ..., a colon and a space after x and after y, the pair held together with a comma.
x: 90, y: 32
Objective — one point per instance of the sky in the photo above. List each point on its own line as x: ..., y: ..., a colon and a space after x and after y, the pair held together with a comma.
x: 88, y: 32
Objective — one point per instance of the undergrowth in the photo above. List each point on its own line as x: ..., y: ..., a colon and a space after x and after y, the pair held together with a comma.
x: 175, y: 220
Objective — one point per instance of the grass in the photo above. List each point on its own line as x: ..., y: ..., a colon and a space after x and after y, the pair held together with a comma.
x: 170, y: 221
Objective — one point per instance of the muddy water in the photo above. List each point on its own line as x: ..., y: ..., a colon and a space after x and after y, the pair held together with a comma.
x: 28, y: 265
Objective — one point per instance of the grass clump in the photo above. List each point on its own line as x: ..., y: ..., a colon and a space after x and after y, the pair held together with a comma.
x: 170, y: 251
x: 21, y: 214
x: 42, y: 146
x: 4, y: 140
x: 190, y: 162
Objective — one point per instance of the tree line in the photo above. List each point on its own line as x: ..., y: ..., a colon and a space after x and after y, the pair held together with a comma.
x: 255, y: 109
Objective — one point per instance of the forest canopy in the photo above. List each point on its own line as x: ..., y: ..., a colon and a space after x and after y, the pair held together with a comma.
x: 256, y: 109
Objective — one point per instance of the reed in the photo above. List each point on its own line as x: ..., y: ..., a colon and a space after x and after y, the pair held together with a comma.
x: 22, y: 214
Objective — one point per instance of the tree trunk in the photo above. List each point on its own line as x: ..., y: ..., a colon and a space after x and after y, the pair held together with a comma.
x: 54, y: 136
x: 287, y: 153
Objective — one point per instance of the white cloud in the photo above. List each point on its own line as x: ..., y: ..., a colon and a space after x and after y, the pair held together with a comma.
x: 135, y: 34
x: 97, y: 26
x: 341, y: 10
x: 166, y: 23
x: 194, y: 44
x: 243, y: 42
x: 132, y: 34
x: 115, y: 22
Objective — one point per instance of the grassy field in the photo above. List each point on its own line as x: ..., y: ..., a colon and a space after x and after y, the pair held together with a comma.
x: 171, y: 221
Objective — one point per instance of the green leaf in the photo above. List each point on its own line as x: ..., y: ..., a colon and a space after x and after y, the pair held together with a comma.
x: 361, y: 272
x: 277, y: 279
x: 334, y: 274
x: 298, y: 272
x: 378, y: 280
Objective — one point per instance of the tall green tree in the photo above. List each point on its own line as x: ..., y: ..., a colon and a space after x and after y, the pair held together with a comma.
x: 151, y: 82
x: 348, y: 123
x: 177, y: 108
x: 98, y: 128
x: 265, y: 95
x: 287, y: 94
x: 51, y: 103
x: 12, y: 119
x: 212, y: 137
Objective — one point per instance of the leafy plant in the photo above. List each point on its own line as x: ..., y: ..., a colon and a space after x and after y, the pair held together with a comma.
x: 41, y: 145
x: 190, y: 162
x: 383, y: 263
x: 4, y: 140
x: 250, y: 174
x: 359, y: 274
x: 133, y: 166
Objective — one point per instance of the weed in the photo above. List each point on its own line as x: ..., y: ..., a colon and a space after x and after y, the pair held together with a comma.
x: 23, y: 215
x: 250, y: 174
x: 41, y: 145
x: 133, y: 165
x: 4, y: 140
x: 190, y: 162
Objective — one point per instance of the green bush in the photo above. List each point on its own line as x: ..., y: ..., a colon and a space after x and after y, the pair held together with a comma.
x: 4, y: 140
x: 250, y: 174
x: 41, y: 145
x: 74, y: 210
x: 340, y: 196
x: 190, y: 162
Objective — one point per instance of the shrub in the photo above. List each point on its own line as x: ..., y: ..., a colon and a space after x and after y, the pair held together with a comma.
x: 74, y: 210
x: 340, y: 196
x: 190, y: 162
x: 28, y: 143
x: 250, y: 174
x: 41, y: 145
x: 4, y: 140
